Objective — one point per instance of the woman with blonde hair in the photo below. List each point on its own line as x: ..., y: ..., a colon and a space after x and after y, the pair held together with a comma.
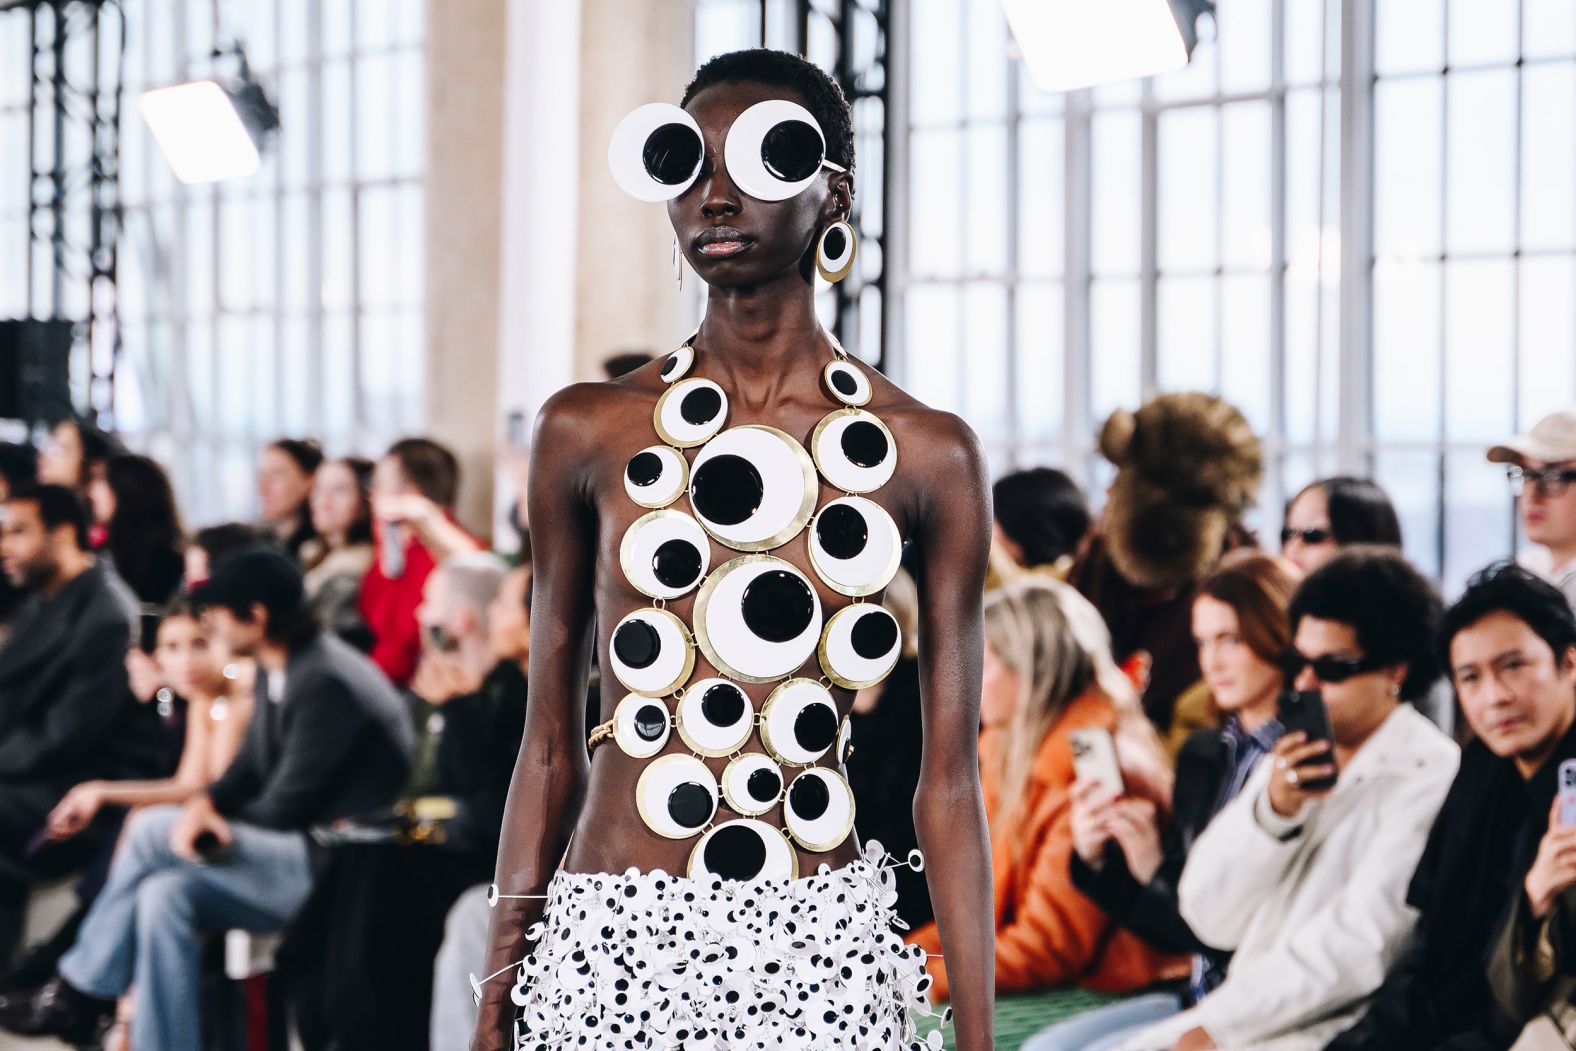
x: 1048, y: 674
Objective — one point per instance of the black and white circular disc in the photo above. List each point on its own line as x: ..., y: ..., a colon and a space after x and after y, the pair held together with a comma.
x: 818, y: 809
x: 854, y: 450
x: 640, y: 726
x: 656, y: 476
x: 715, y: 717
x: 652, y: 652
x: 757, y: 618
x: 834, y: 255
x: 753, y: 488
x: 743, y: 850
x: 676, y: 796
x: 845, y: 741
x: 799, y: 722
x: 678, y: 364
x: 752, y: 784
x: 655, y: 152
x: 665, y: 554
x: 861, y: 645
x: 854, y: 546
x: 774, y: 150
x: 690, y: 412
x: 847, y: 383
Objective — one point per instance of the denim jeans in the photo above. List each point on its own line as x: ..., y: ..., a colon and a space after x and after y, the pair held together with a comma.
x: 1105, y: 1027
x: 149, y: 921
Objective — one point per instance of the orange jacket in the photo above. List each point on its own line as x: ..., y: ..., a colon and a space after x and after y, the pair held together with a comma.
x: 1047, y: 933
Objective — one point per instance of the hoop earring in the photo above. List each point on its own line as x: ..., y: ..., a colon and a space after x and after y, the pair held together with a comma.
x: 678, y: 264
x: 834, y: 252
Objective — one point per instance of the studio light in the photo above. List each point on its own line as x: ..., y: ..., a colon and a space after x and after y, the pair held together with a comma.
x: 1070, y: 44
x: 210, y: 130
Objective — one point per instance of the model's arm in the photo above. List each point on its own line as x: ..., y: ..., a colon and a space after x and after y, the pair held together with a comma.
x: 953, y: 536
x: 551, y: 772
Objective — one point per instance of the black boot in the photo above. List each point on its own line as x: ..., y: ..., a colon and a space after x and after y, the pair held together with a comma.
x: 59, y: 1010
x: 36, y: 965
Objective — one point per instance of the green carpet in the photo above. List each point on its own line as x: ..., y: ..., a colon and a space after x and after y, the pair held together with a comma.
x: 1020, y: 1017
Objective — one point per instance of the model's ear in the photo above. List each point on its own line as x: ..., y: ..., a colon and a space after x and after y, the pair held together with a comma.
x: 839, y: 203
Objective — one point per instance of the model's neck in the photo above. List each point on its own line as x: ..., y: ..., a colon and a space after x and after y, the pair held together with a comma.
x: 756, y: 335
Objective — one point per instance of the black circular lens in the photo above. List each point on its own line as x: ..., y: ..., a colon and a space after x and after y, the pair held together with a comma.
x: 763, y: 785
x: 834, y: 242
x: 700, y: 405
x: 874, y: 635
x: 722, y: 704
x: 735, y: 851
x: 777, y: 606
x: 845, y: 383
x: 809, y: 797
x: 676, y: 563
x: 727, y: 489
x: 842, y: 531
x: 865, y: 444
x: 644, y: 468
x: 671, y: 153
x: 650, y: 721
x: 816, y: 727
x: 791, y: 150
x: 689, y: 804
x: 637, y: 644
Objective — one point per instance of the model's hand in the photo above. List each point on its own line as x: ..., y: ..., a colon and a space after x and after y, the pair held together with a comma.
x: 197, y: 817
x: 1554, y: 869
x: 1288, y: 781
x: 1091, y: 830
x: 73, y: 813
x: 1195, y: 1040
x: 1134, y: 823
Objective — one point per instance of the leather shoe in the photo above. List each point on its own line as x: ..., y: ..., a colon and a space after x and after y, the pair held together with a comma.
x: 56, y: 1009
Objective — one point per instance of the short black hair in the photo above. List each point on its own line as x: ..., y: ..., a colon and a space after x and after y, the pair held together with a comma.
x: 57, y: 506
x: 821, y: 94
x: 1505, y: 587
x: 1392, y: 607
x: 262, y: 576
x: 18, y: 465
x: 1041, y: 510
x: 430, y: 467
x: 220, y: 540
x: 1360, y: 511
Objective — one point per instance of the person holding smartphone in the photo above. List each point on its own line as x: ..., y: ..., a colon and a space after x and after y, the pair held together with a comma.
x: 1306, y: 885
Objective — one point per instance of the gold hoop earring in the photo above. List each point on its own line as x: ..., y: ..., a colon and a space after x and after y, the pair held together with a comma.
x: 834, y: 252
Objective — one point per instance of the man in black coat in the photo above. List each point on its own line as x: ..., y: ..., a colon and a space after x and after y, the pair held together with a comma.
x: 67, y: 714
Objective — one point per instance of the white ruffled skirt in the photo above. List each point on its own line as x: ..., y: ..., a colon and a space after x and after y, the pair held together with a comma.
x: 648, y: 960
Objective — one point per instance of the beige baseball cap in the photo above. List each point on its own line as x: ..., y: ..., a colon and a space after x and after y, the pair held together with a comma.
x: 1552, y: 440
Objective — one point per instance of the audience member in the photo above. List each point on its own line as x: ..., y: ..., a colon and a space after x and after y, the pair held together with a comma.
x: 1123, y: 859
x: 212, y: 543
x: 18, y: 469
x: 338, y: 556
x: 625, y: 362
x: 66, y: 712
x: 135, y: 504
x: 362, y: 981
x: 414, y: 488
x: 1041, y: 518
x: 74, y: 451
x: 1542, y: 469
x: 331, y: 739
x: 1305, y: 883
x: 1187, y: 468
x: 284, y: 484
x: 1333, y: 513
x: 1048, y: 673
x: 1510, y: 646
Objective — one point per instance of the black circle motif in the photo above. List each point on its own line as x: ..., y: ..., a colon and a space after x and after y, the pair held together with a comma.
x: 834, y: 243
x: 777, y: 606
x: 676, y: 563
x: 763, y: 785
x: 809, y: 797
x: 815, y: 728
x: 735, y: 851
x: 689, y: 804
x: 644, y: 468
x: 650, y: 721
x: 637, y: 644
x: 873, y: 635
x: 727, y: 489
x: 700, y: 405
x: 845, y: 383
x: 842, y: 531
x: 722, y: 704
x: 791, y: 151
x: 865, y: 444
x: 671, y: 153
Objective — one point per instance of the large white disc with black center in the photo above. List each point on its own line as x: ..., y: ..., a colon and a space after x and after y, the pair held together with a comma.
x: 753, y: 488
x: 652, y: 652
x: 690, y: 412
x: 655, y: 152
x: 752, y: 784
x: 854, y: 546
x: 656, y: 476
x: 676, y: 796
x: 640, y: 726
x: 854, y: 451
x: 678, y: 364
x: 799, y: 722
x: 715, y: 717
x: 847, y: 383
x: 757, y: 618
x: 774, y: 150
x: 743, y: 850
x: 819, y: 809
x: 845, y: 741
x: 665, y: 554
x: 861, y: 645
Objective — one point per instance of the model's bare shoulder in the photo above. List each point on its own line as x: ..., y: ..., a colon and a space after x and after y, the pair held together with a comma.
x: 581, y: 416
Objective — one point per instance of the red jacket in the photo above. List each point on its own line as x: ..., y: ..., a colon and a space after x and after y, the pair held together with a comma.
x: 389, y: 608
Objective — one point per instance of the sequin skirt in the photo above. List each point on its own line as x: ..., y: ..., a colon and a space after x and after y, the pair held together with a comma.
x: 648, y: 960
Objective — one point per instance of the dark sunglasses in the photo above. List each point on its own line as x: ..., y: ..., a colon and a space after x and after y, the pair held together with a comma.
x: 1328, y: 669
x: 1551, y: 481
x: 1310, y: 535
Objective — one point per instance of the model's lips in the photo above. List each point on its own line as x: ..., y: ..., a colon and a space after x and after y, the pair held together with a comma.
x: 720, y: 242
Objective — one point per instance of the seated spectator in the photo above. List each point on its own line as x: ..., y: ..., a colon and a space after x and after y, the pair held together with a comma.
x: 414, y: 488
x: 1334, y: 513
x: 76, y: 449
x: 1049, y: 672
x: 337, y: 558
x: 332, y: 739
x: 212, y: 543
x: 1123, y: 859
x: 133, y: 502
x: 1041, y: 517
x: 1306, y: 885
x: 360, y: 980
x: 18, y: 469
x: 284, y: 482
x: 1510, y: 644
x: 1542, y: 469
x: 66, y: 712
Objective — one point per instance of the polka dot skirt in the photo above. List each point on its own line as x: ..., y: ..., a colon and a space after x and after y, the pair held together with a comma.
x: 648, y: 960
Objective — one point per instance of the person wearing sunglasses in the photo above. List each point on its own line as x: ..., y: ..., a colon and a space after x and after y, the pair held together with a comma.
x: 1541, y: 468
x: 1333, y: 512
x: 1305, y: 886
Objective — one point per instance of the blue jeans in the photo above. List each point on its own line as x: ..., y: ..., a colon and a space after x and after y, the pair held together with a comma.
x: 150, y: 919
x: 1105, y: 1027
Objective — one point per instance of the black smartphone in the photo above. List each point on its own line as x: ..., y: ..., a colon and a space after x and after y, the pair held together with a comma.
x: 148, y: 631
x: 1305, y: 711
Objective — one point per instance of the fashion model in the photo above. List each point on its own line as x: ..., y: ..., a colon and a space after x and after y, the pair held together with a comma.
x: 720, y: 524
